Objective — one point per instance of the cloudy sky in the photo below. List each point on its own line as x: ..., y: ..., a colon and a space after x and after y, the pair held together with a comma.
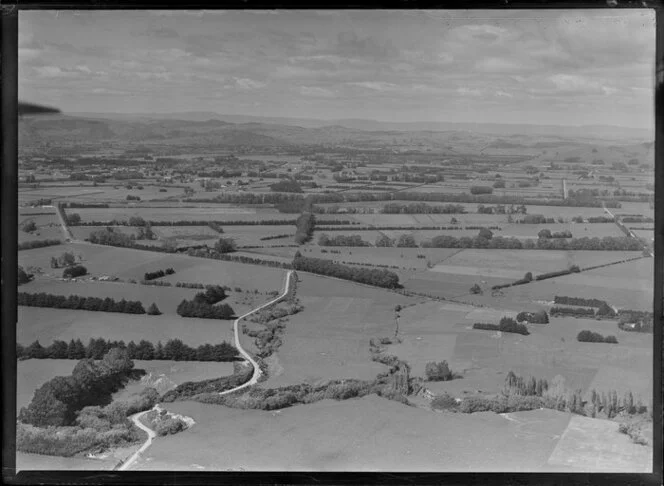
x: 543, y: 67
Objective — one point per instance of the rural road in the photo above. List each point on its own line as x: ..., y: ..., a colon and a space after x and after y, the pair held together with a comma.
x: 254, y: 379
x: 151, y: 435
x: 236, y: 326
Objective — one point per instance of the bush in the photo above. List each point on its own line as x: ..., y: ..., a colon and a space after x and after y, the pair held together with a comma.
x: 170, y: 426
x: 539, y: 317
x: 576, y: 311
x: 379, y: 278
x: 444, y: 402
x: 225, y: 245
x: 29, y: 245
x: 23, y: 277
x: 73, y: 272
x: 438, y: 371
x: 476, y: 289
x: 481, y: 190
x: 191, y: 308
x: 586, y: 336
x: 153, y: 310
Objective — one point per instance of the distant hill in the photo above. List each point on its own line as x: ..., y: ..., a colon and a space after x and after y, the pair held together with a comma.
x: 589, y: 131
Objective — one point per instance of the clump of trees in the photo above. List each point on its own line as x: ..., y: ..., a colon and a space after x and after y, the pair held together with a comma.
x: 22, y: 276
x: 193, y: 308
x: 636, y: 321
x: 422, y: 208
x: 507, y: 324
x: 110, y: 237
x: 341, y: 240
x: 586, y: 336
x: 75, y: 271
x: 376, y: 277
x: 29, y: 226
x: 153, y: 310
x: 225, y: 245
x: 212, y: 295
x: 305, y: 228
x: 81, y: 303
x: 56, y: 402
x: 158, y: 274
x: 476, y: 289
x: 539, y: 317
x: 572, y: 311
x: 439, y: 371
x: 475, y: 190
x: 64, y: 260
x: 546, y: 233
x: 29, y: 245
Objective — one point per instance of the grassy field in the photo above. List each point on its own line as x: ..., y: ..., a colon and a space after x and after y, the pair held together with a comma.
x: 49, y: 324
x: 330, y: 337
x: 215, y: 213
x: 367, y: 434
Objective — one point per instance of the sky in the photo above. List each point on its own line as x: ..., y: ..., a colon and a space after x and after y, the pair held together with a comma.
x: 561, y: 67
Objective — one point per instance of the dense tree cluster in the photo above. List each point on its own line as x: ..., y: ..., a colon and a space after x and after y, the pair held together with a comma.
x: 85, y: 205
x: 636, y: 321
x: 225, y: 245
x: 566, y: 300
x: 438, y: 371
x: 77, y: 302
x: 200, y: 309
x: 158, y: 274
x: 475, y: 190
x: 422, y: 208
x: 91, y: 383
x: 286, y: 185
x: 29, y: 245
x: 507, y: 324
x: 517, y: 385
x: 558, y: 273
x: 378, y: 278
x: 304, y: 228
x: 112, y: 238
x: 546, y: 233
x: 572, y: 311
x: 22, y: 276
x: 536, y: 219
x: 539, y: 317
x: 586, y: 336
x: 215, y: 225
x: 342, y: 240
x: 75, y: 271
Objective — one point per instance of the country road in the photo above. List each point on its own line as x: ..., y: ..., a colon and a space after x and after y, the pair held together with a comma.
x: 257, y: 371
x: 151, y: 435
x: 254, y: 379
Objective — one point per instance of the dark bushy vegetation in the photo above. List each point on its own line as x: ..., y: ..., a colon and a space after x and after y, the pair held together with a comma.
x: 475, y: 190
x: 572, y: 311
x: 506, y: 324
x: 305, y: 228
x: 22, y: 276
x: 225, y: 245
x: 193, y: 308
x: 81, y: 303
x: 286, y: 186
x: 540, y: 317
x: 439, y: 371
x: 608, y: 243
x: 189, y: 389
x: 586, y: 336
x: 29, y: 245
x: 342, y: 240
x: 275, y: 237
x: 378, y: 278
x: 565, y: 300
x: 91, y: 383
x: 73, y: 272
x: 158, y: 274
x: 422, y: 208
x: 559, y: 273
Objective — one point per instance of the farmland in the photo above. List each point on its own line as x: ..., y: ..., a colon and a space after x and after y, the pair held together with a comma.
x: 457, y: 228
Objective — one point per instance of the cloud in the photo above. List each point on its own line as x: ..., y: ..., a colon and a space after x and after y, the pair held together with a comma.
x: 463, y: 91
x: 248, y: 84
x: 374, y: 85
x: 350, y: 45
x: 316, y: 92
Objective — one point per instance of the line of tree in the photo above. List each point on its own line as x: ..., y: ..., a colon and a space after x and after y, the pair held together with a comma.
x: 158, y: 274
x: 275, y: 237
x: 342, y: 240
x: 566, y: 300
x: 305, y: 227
x: 536, y: 219
x: 263, y: 222
x: 78, y: 302
x: 29, y: 245
x: 507, y: 324
x: 191, y: 389
x: 286, y: 185
x: 422, y: 208
x: 586, y: 336
x: 546, y: 233
x: 475, y: 190
x: 174, y: 349
x: 203, y: 310
x: 85, y: 205
x: 572, y: 311
x: 558, y: 273
x: 369, y: 276
x: 208, y: 253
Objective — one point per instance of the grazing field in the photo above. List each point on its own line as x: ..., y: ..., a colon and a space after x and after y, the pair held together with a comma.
x: 216, y: 213
x: 40, y: 462
x: 330, y: 338
x: 45, y: 325
x: 594, y: 445
x: 366, y: 434
x: 405, y: 258
x: 83, y: 232
x: 127, y: 263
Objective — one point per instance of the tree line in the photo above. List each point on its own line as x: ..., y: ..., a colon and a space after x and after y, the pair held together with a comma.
x: 174, y: 349
x: 342, y: 240
x: 376, y: 277
x: 506, y: 324
x: 158, y: 274
x: 607, y: 243
x: 263, y: 222
x: 305, y: 227
x: 586, y: 336
x: 108, y: 304
x: 422, y: 208
x: 29, y: 245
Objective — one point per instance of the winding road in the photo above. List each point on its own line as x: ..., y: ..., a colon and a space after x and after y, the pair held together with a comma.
x: 254, y: 378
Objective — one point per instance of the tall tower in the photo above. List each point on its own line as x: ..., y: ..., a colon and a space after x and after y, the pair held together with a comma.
x: 564, y: 188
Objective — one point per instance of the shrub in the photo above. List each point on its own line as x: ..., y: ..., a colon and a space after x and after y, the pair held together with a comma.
x: 23, y: 277
x: 481, y: 190
x: 444, y: 402
x: 73, y: 272
x: 153, y: 310
x: 586, y: 336
x: 507, y: 324
x: 438, y: 371
x: 170, y: 426
x: 476, y: 289
x: 225, y: 245
x: 29, y: 245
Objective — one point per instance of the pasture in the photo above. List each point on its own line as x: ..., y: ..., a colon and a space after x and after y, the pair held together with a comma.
x: 209, y: 213
x: 330, y: 338
x: 45, y: 325
x: 365, y: 434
